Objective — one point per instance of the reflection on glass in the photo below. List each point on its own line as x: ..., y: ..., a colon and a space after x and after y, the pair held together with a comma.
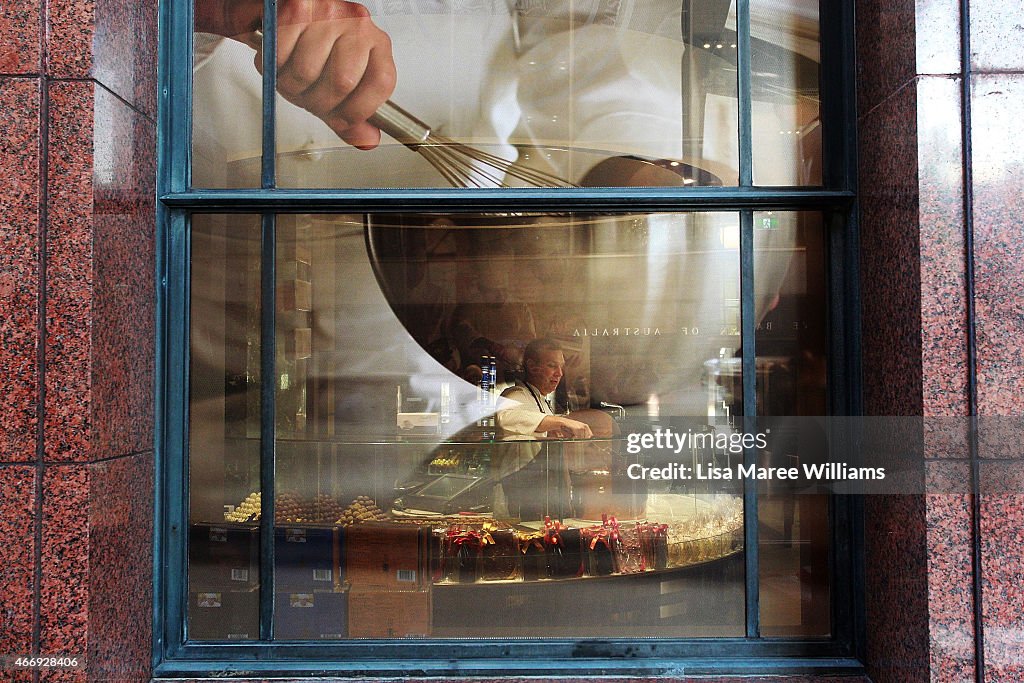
x: 432, y: 457
x: 785, y: 57
x: 605, y: 94
x: 791, y: 347
x: 223, y: 464
x: 227, y: 105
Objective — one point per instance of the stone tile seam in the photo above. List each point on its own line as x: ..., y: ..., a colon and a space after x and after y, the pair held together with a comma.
x: 910, y: 83
x: 44, y: 219
x: 70, y: 463
x: 39, y: 76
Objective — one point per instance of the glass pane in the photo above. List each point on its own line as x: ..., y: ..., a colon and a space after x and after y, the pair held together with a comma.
x: 427, y: 475
x: 597, y: 93
x: 224, y: 427
x: 435, y: 463
x: 785, y: 58
x: 227, y: 106
x: 791, y: 347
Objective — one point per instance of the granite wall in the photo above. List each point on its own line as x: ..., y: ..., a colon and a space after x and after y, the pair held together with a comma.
x: 77, y: 150
x: 919, y: 249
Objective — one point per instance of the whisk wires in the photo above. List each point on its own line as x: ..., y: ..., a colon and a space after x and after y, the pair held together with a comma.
x: 459, y: 164
x: 467, y: 166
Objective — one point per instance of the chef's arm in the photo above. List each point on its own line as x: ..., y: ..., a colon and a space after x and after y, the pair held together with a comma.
x: 564, y: 427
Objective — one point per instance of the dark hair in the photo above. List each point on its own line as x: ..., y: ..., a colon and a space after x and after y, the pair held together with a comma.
x: 534, y: 349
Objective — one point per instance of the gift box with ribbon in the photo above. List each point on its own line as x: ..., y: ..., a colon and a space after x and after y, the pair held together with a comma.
x: 627, y: 548
x: 599, y: 545
x: 500, y: 559
x: 534, y: 560
x: 462, y: 554
x: 563, y: 549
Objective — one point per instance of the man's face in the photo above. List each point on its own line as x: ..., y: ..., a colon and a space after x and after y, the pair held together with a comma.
x: 545, y: 372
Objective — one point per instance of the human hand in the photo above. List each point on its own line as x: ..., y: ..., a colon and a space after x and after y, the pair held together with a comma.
x: 332, y: 60
x: 572, y: 429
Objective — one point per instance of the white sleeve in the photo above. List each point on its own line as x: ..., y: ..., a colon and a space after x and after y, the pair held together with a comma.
x: 607, y: 83
x: 515, y: 414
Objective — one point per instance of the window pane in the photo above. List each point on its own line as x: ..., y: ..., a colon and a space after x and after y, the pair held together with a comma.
x: 224, y: 428
x: 791, y: 347
x: 785, y: 49
x: 227, y: 106
x: 412, y: 499
x: 597, y: 93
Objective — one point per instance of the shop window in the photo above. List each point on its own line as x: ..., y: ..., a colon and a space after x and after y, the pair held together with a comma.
x: 408, y: 422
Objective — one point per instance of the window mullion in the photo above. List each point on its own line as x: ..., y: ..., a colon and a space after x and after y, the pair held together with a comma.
x: 268, y: 178
x: 743, y: 92
x: 175, y: 114
x: 268, y: 421
x: 748, y: 324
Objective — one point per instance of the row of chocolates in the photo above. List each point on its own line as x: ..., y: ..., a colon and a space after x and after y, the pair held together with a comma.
x: 491, y: 552
x: 290, y: 508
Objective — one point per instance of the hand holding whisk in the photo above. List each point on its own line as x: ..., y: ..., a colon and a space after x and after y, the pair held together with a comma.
x: 461, y: 165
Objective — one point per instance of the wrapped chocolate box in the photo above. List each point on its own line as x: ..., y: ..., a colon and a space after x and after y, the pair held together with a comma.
x: 563, y: 549
x: 599, y: 547
x: 463, y: 551
x: 627, y: 548
x: 500, y: 559
x: 534, y: 559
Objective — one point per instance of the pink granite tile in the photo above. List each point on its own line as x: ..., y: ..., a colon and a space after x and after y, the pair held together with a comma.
x: 17, y: 557
x: 890, y: 258
x: 124, y: 282
x: 121, y: 548
x: 950, y: 597
x: 19, y: 267
x: 943, y: 261
x: 65, y: 570
x: 63, y: 676
x: 997, y: 36
x: 886, y: 59
x: 1002, y: 548
x: 896, y: 591
x: 997, y: 108
x: 113, y: 41
x: 19, y: 37
x: 69, y: 286
x: 125, y: 50
x: 71, y: 25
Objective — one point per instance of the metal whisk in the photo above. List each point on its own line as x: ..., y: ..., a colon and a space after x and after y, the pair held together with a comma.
x: 461, y: 165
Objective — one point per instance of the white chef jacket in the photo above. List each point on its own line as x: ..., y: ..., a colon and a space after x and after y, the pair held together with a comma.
x: 525, y: 415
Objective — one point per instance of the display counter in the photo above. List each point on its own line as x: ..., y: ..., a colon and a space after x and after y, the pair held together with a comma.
x: 411, y: 543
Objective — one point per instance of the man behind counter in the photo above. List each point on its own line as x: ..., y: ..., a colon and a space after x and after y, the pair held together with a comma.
x: 524, y: 477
